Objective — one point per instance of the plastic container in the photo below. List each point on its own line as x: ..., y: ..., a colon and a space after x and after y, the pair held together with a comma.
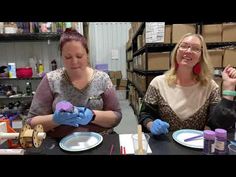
x: 26, y: 72
x: 40, y: 67
x: 12, y: 70
x: 220, y: 141
x: 209, y: 142
x: 232, y: 149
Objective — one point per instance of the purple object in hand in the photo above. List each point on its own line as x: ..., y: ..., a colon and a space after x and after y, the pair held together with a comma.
x: 64, y: 106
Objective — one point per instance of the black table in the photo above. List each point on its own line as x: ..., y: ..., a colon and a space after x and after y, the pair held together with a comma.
x: 160, y: 145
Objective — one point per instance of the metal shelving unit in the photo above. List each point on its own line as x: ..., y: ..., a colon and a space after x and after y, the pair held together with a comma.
x: 22, y: 37
x: 20, y: 97
x: 29, y: 37
x: 141, y: 93
x: 218, y: 45
x: 32, y: 78
x: 156, y: 72
x: 129, y: 48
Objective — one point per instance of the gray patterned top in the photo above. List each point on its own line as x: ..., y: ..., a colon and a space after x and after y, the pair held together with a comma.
x: 55, y: 86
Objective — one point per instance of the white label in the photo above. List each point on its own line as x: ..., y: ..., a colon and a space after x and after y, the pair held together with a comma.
x: 155, y: 32
x: 220, y: 145
x: 213, y: 148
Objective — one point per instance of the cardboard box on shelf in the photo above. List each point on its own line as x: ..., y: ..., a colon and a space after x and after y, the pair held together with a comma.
x: 167, y: 38
x: 114, y: 81
x: 216, y: 57
x: 118, y: 75
x: 158, y: 61
x: 229, y: 32
x: 212, y: 33
x: 128, y: 43
x: 130, y: 76
x: 115, y: 74
x: 178, y: 30
x: 121, y: 88
x: 130, y: 33
x: 122, y: 82
x: 229, y: 57
x: 135, y: 26
x: 139, y: 41
x: 112, y: 74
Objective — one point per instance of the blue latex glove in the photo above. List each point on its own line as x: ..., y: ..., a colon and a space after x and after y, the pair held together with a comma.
x: 159, y: 127
x: 66, y: 118
x: 86, y: 115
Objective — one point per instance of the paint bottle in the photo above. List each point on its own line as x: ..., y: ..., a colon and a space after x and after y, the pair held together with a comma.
x: 41, y: 67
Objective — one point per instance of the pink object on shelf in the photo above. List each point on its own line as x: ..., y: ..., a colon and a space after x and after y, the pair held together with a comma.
x: 26, y: 72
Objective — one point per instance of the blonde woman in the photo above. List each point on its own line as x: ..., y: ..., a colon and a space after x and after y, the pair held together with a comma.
x: 185, y: 96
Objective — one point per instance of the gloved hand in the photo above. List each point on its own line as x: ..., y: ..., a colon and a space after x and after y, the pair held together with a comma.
x: 66, y: 118
x: 85, y: 116
x: 159, y: 127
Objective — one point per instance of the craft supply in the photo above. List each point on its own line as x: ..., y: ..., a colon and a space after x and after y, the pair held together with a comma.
x: 220, y: 141
x: 193, y: 138
x: 12, y: 151
x: 140, y: 143
x: 209, y: 142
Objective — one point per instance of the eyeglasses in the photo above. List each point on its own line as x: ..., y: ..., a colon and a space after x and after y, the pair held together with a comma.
x: 185, y: 46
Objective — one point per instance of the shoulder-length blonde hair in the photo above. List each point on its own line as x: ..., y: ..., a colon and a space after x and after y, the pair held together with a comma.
x: 206, y: 73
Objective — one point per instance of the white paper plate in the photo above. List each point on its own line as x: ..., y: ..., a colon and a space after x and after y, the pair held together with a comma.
x: 180, y: 135
x: 80, y: 141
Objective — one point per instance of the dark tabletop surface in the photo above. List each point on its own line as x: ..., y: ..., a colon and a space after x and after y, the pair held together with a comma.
x: 160, y: 145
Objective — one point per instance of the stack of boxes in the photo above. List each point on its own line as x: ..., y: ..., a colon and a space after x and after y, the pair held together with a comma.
x: 221, y: 57
x: 229, y: 35
x: 119, y: 83
x: 178, y: 30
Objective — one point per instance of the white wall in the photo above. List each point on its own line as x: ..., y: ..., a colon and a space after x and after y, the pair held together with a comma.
x: 103, y: 38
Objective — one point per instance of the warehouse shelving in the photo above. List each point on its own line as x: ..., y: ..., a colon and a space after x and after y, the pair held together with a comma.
x: 164, y: 47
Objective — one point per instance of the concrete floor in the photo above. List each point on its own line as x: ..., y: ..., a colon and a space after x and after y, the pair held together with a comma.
x: 128, y: 123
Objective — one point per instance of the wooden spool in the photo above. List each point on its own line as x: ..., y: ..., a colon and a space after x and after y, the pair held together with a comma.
x: 29, y: 137
x: 36, y: 140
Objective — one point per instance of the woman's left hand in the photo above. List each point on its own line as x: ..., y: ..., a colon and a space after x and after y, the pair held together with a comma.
x: 229, y: 78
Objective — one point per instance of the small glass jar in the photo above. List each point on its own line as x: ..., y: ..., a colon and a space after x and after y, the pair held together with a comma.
x: 221, y: 141
x: 209, y: 142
